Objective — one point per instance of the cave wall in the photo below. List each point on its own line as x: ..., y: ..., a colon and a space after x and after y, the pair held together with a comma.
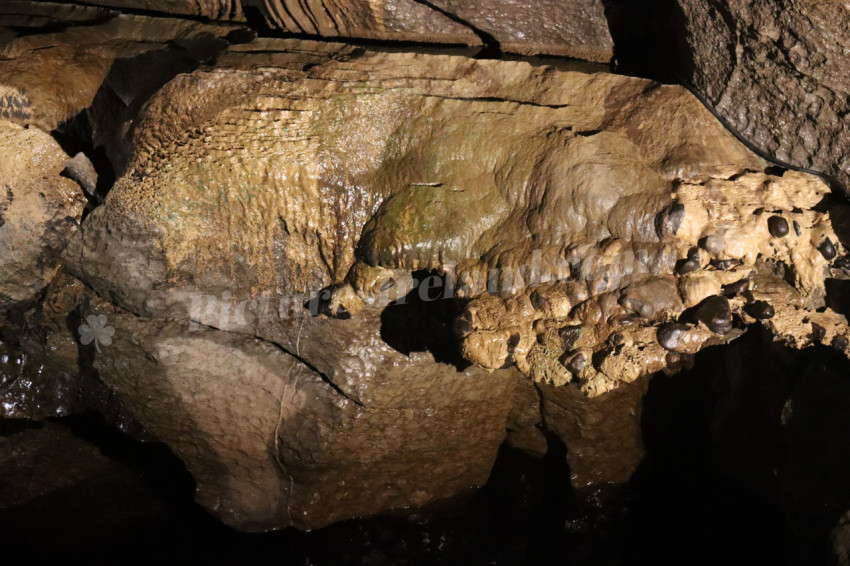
x: 226, y: 238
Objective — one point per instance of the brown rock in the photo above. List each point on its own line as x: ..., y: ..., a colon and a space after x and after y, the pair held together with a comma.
x: 576, y: 29
x: 603, y: 434
x: 271, y: 442
x: 293, y: 175
x: 39, y: 210
x: 777, y: 73
x: 48, y: 78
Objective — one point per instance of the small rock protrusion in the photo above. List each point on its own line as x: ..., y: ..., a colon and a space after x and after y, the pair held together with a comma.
x: 760, y: 310
x: 576, y: 364
x: 80, y: 169
x: 797, y: 228
x: 513, y: 342
x: 668, y: 221
x: 736, y: 288
x: 777, y: 226
x: 716, y: 314
x: 725, y: 264
x: 713, y: 243
x: 463, y: 325
x: 668, y: 335
x: 569, y: 336
x: 827, y: 249
x: 690, y: 264
x: 818, y: 332
x: 840, y: 342
x: 677, y: 361
x: 538, y: 303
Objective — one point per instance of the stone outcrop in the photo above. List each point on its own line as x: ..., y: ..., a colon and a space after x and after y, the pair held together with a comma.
x: 335, y: 280
x: 48, y: 78
x: 576, y: 29
x: 297, y: 180
x: 777, y: 73
x: 39, y: 210
x: 271, y: 442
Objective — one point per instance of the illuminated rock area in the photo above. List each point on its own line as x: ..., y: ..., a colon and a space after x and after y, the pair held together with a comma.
x: 336, y: 280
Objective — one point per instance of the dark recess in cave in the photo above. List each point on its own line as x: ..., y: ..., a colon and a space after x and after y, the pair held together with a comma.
x: 422, y: 320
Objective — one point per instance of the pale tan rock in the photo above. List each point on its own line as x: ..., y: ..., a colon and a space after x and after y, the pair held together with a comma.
x: 39, y: 210
x: 46, y: 79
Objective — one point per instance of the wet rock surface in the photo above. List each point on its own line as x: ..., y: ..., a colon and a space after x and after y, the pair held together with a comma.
x: 716, y: 437
x: 334, y: 280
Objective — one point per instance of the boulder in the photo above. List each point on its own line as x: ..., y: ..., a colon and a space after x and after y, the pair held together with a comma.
x: 39, y: 210
x: 272, y: 442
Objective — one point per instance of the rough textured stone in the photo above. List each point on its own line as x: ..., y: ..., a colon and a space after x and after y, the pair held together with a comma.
x: 271, y: 443
x: 294, y: 178
x: 576, y: 28
x: 39, y: 210
x: 777, y: 73
x: 44, y: 369
x: 602, y: 435
x: 48, y: 78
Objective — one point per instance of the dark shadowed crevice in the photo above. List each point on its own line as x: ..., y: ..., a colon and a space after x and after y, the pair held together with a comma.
x: 645, y: 38
x: 743, y: 453
x: 422, y: 320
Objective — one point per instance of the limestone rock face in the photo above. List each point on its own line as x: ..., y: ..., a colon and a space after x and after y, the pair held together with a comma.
x: 777, y: 73
x: 48, y: 78
x: 271, y: 442
x: 39, y: 210
x: 271, y: 256
x: 576, y: 28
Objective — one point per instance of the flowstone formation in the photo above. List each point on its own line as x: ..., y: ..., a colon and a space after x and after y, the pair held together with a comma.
x: 322, y: 270
x: 594, y: 228
x: 728, y: 252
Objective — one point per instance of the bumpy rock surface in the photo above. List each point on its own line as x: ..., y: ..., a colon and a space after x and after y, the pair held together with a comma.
x: 48, y: 78
x: 597, y: 228
x: 39, y: 210
x: 271, y: 443
x: 777, y: 72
